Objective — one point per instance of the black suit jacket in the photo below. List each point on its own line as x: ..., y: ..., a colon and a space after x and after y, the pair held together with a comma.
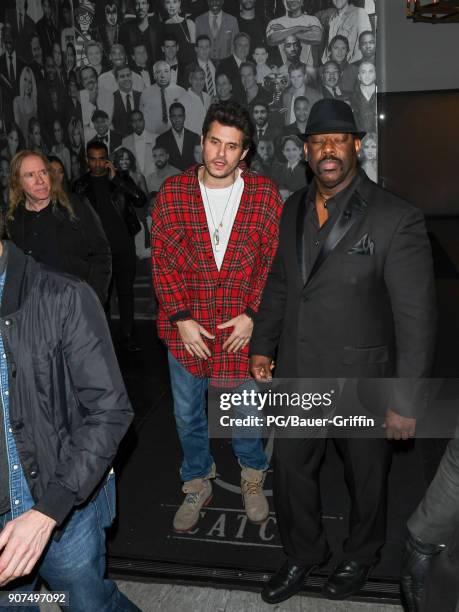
x: 357, y: 314
x: 120, y: 119
x: 13, y: 84
x: 229, y: 67
x: 47, y: 34
x: 130, y: 36
x: 115, y: 140
x: 185, y: 159
x: 22, y: 40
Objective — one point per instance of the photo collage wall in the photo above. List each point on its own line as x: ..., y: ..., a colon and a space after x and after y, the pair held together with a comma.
x: 141, y: 74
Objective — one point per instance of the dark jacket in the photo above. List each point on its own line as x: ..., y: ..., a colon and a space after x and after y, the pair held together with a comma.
x: 182, y: 160
x: 68, y: 405
x: 368, y: 310
x: 81, y: 242
x: 120, y: 119
x: 124, y: 195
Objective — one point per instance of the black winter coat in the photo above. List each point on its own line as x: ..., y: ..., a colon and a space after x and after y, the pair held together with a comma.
x: 68, y: 405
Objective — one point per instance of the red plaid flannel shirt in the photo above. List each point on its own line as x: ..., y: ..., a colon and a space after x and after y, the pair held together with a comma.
x: 186, y: 278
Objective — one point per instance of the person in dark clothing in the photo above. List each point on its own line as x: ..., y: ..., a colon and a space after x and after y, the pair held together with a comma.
x: 179, y: 142
x: 431, y: 558
x: 113, y: 197
x: 61, y: 231
x: 350, y: 294
x: 63, y: 412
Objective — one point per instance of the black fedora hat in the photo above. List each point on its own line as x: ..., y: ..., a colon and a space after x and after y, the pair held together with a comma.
x: 331, y: 116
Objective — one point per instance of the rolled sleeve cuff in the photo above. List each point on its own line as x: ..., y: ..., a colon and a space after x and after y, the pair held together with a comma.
x: 250, y: 313
x: 181, y: 315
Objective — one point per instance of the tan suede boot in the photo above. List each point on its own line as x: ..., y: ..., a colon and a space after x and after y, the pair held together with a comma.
x: 255, y: 502
x: 198, y: 494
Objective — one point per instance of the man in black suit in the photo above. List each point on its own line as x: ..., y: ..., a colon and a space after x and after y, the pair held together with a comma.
x: 179, y: 72
x: 11, y: 64
x: 330, y: 75
x: 22, y: 27
x: 45, y: 28
x: 141, y: 65
x: 37, y: 64
x: 350, y: 295
x: 259, y: 113
x: 144, y: 30
x: 125, y: 100
x: 301, y: 110
x: 230, y: 65
x: 178, y: 141
x: 102, y: 132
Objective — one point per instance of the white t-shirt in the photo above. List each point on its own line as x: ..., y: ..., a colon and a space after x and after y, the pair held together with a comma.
x: 290, y: 22
x: 219, y: 199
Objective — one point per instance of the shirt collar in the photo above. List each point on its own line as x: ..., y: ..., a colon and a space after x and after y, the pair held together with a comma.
x: 342, y: 198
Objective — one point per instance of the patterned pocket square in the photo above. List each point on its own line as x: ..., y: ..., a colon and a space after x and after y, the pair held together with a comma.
x: 365, y: 246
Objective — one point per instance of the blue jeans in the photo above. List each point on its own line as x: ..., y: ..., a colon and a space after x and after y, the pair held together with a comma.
x: 189, y: 393
x: 76, y: 563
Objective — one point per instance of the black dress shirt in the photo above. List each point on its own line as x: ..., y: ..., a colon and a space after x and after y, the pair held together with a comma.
x: 315, y: 236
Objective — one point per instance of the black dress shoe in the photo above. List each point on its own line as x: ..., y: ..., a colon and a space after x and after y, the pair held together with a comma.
x: 286, y: 582
x: 348, y: 578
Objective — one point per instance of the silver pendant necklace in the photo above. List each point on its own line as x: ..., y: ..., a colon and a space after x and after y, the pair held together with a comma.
x: 216, y: 233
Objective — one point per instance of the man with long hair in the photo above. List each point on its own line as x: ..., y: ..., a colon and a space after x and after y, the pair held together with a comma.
x: 54, y: 227
x: 214, y: 234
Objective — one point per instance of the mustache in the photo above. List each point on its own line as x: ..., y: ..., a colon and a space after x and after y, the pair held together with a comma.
x: 328, y: 159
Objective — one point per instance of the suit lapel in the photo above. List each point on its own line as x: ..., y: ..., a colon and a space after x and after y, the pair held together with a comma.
x: 301, y: 214
x: 348, y: 217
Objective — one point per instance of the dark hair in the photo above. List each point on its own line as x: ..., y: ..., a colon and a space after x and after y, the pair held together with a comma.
x: 194, y: 68
x: 136, y: 111
x: 97, y: 145
x: 300, y: 99
x: 170, y: 37
x: 232, y: 114
x: 330, y: 63
x: 297, y: 66
x: 258, y: 103
x: 338, y: 37
x: 118, y: 154
x: 249, y: 65
x: 365, y: 33
x: 176, y: 105
x: 53, y: 159
x: 118, y: 69
x: 202, y: 37
x: 80, y: 72
x: 99, y: 114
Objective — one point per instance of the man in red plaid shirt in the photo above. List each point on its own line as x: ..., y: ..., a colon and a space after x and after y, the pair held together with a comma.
x: 214, y: 235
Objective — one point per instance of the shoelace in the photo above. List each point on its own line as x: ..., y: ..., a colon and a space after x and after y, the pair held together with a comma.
x: 192, y: 498
x: 252, y: 488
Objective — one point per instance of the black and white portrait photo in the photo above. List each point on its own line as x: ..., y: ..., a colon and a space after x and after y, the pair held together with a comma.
x: 139, y: 76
